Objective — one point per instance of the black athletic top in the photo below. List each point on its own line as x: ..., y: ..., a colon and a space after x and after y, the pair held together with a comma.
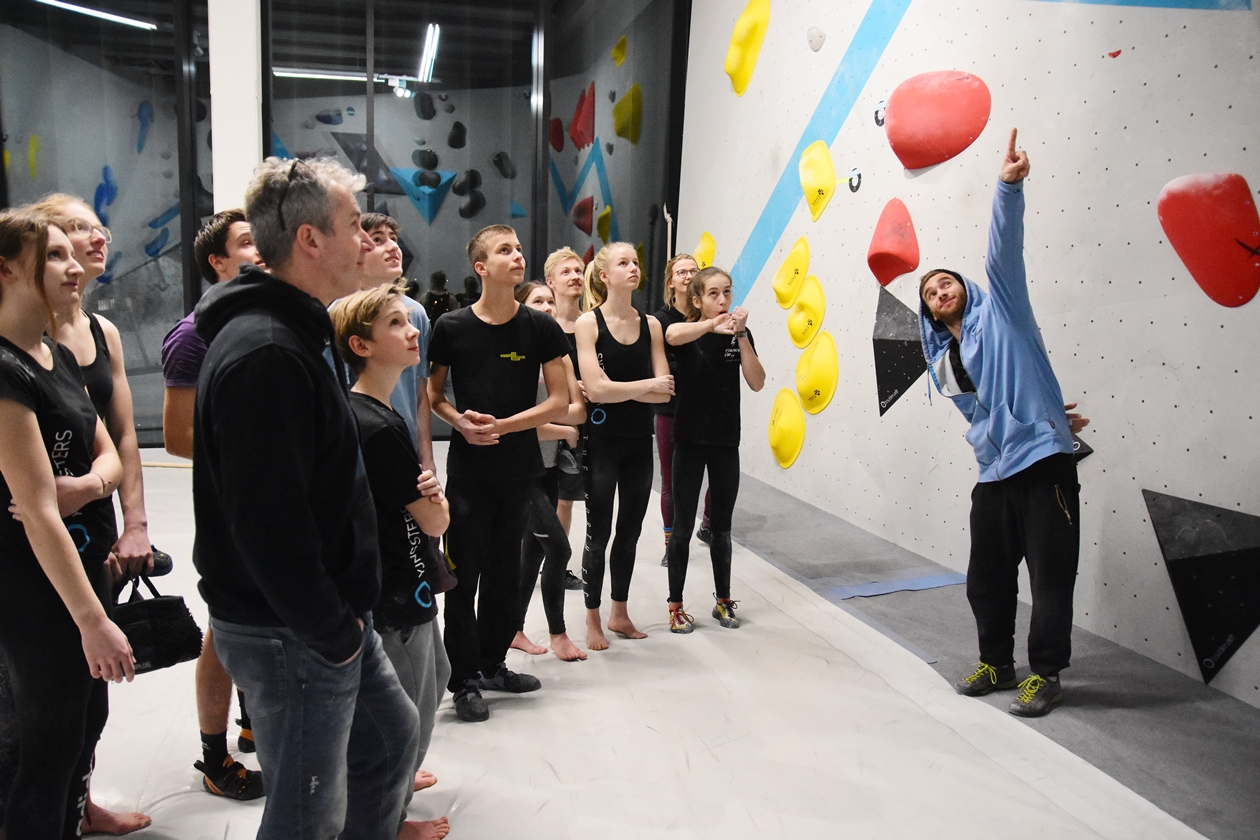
x: 408, y: 558
x: 622, y: 363
x: 494, y: 370
x: 98, y: 376
x: 708, y: 391
x: 573, y: 356
x: 668, y: 316
x: 67, y: 424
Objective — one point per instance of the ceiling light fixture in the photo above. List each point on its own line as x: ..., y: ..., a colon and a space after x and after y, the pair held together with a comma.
x: 428, y: 57
x: 96, y: 13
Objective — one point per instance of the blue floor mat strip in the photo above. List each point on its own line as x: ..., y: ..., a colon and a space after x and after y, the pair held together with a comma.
x: 883, y: 587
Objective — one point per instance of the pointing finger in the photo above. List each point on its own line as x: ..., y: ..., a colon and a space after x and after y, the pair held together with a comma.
x: 1010, y: 152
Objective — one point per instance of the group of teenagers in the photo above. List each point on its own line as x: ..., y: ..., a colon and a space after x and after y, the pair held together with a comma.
x: 302, y: 388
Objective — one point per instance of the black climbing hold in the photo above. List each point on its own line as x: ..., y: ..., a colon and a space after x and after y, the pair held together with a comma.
x: 504, y: 164
x: 612, y: 96
x: 202, y: 113
x: 879, y: 113
x: 458, y: 136
x: 425, y: 109
x: 427, y: 178
x: 855, y: 179
x: 608, y: 147
x: 476, y: 201
x: 450, y: 107
x: 443, y: 96
x: 425, y: 158
x: 466, y: 183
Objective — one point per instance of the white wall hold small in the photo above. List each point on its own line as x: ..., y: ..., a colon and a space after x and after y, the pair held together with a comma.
x: 816, y: 37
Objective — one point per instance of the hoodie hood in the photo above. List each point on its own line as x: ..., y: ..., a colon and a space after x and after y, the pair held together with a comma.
x: 255, y: 289
x: 936, y: 337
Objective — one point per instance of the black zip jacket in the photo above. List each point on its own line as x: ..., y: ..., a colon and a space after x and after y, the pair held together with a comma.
x: 286, y: 530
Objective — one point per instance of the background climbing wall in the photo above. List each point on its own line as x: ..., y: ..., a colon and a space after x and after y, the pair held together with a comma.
x: 1112, y: 103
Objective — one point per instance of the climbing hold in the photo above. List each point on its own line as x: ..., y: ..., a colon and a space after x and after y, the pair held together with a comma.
x: 467, y: 182
x: 628, y: 115
x: 619, y: 51
x: 504, y: 164
x: 608, y: 146
x: 309, y: 124
x: 106, y: 192
x: 1115, y: 54
x: 425, y: 108
x: 166, y: 154
x: 932, y: 117
x: 602, y: 223
x: 458, y: 136
x: 425, y: 158
x: 556, y: 134
x: 749, y: 32
x: 450, y: 108
x: 898, y: 349
x: 168, y: 174
x: 855, y: 180
x: 791, y: 275
x: 705, y: 250
x: 166, y: 218
x: 427, y: 178
x: 1212, y: 224
x: 612, y: 96
x: 350, y: 110
x: 817, y: 373
x: 201, y: 111
x: 588, y: 256
x: 516, y: 211
x: 818, y: 177
x: 786, y: 432
x: 879, y: 113
x: 443, y: 96
x: 332, y: 116
x: 473, y: 205
x: 145, y: 115
x: 582, y: 128
x: 426, y: 199
x: 816, y: 37
x: 32, y: 154
x: 158, y: 243
x: 806, y: 317
x: 894, y: 249
x: 584, y: 214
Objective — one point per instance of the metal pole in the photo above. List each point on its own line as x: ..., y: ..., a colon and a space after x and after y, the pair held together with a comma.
x: 185, y: 118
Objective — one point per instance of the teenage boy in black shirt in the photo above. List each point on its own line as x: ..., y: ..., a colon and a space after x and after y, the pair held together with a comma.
x: 493, y: 350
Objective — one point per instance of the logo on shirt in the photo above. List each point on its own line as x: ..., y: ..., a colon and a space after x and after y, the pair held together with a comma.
x: 512, y: 357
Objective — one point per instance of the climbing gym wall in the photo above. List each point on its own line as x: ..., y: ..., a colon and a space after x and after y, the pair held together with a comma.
x: 834, y: 152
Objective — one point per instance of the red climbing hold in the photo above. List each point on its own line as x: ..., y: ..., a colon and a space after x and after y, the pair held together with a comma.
x: 583, y: 213
x: 1115, y: 54
x: 582, y: 129
x: 588, y: 256
x: 932, y: 117
x: 557, y: 134
x: 1212, y: 224
x: 894, y: 248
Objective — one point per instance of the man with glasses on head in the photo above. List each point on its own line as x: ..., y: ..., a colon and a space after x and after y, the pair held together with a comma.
x: 286, y: 532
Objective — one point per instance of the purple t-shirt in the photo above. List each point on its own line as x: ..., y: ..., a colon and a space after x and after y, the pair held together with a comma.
x: 183, y: 351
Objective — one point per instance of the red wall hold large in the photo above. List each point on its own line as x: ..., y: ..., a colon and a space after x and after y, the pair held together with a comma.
x: 894, y: 247
x: 932, y: 117
x: 583, y: 212
x: 1212, y: 224
x: 582, y: 129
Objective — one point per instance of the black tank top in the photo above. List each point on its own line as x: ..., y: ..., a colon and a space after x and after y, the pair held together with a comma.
x: 622, y: 363
x: 573, y: 357
x: 98, y: 376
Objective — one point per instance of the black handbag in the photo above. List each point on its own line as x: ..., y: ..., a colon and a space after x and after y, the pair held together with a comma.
x: 161, y: 630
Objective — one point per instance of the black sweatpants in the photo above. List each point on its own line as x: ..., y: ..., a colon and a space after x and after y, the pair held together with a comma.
x: 621, y: 467
x: 483, y: 543
x: 690, y: 462
x: 545, y: 537
x: 1033, y: 515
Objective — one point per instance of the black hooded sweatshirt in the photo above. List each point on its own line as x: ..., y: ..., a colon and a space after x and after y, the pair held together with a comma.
x: 286, y: 530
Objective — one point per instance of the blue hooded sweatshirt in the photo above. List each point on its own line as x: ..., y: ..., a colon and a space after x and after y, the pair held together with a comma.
x: 1016, y: 410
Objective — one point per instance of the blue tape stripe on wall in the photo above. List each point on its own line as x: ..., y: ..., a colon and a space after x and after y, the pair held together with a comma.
x: 1204, y: 5
x: 868, y: 45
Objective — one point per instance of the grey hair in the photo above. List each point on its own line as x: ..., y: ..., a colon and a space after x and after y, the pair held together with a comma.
x: 306, y: 189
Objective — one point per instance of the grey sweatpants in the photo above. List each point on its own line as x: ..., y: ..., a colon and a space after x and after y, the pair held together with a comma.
x: 419, y: 657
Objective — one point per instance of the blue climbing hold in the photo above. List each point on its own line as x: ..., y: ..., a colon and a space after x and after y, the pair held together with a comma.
x: 108, y: 276
x: 518, y: 212
x: 159, y: 242
x: 426, y: 199
x: 145, y: 115
x: 106, y: 192
x: 278, y: 148
x: 166, y: 218
x: 330, y: 117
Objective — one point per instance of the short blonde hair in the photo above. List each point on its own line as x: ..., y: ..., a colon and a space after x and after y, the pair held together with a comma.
x: 355, y: 314
x: 558, y: 256
x: 481, y: 241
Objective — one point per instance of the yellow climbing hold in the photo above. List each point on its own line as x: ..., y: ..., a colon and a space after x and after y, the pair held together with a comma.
x: 817, y: 372
x: 602, y: 222
x: 6, y: 158
x: 787, y: 428
x: 791, y: 275
x: 806, y: 317
x: 750, y: 31
x: 818, y: 177
x: 32, y: 153
x: 703, y: 253
x: 619, y: 51
x: 628, y: 114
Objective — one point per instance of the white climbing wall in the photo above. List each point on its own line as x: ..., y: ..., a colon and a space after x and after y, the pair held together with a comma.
x: 1112, y: 103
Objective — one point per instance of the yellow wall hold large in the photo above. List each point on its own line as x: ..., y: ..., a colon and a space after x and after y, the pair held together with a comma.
x: 791, y: 275
x: 750, y: 31
x: 787, y: 428
x: 603, y: 221
x: 806, y: 317
x: 628, y: 114
x: 817, y: 372
x: 619, y: 51
x: 818, y: 177
x: 703, y: 253
x: 32, y: 154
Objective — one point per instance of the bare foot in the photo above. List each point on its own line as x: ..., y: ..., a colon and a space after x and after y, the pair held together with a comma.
x: 97, y: 820
x: 521, y: 642
x: 595, y: 639
x: 619, y: 622
x: 424, y: 779
x: 424, y: 830
x: 563, y: 647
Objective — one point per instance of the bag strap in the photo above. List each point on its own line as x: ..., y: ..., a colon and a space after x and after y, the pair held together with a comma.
x: 148, y: 583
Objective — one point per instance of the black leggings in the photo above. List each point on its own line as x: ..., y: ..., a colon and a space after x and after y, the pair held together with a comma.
x: 545, y: 537
x: 59, y: 710
x: 622, y: 467
x: 690, y: 462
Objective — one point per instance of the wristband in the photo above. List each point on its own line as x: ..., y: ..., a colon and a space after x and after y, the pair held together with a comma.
x: 742, y: 334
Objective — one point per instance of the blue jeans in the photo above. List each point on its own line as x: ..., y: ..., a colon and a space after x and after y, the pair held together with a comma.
x: 337, y: 743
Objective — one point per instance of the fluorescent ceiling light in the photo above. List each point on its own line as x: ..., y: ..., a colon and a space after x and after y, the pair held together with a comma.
x: 96, y: 13
x: 429, y: 55
x: 333, y: 75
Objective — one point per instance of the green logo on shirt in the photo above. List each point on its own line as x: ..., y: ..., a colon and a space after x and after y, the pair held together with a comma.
x: 513, y: 356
